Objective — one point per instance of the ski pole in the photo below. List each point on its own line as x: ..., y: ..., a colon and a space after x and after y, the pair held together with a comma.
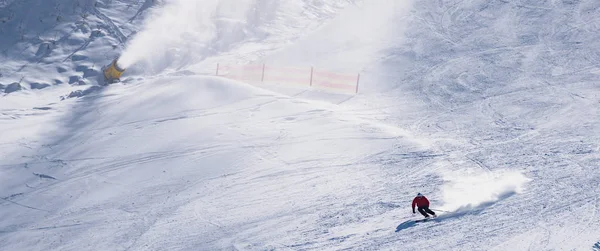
x: 441, y: 210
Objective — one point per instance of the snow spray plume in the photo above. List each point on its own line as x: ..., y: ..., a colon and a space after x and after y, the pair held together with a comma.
x: 471, y: 189
x: 178, y: 32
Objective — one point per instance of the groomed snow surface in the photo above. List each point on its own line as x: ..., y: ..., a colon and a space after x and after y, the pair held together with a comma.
x: 489, y: 108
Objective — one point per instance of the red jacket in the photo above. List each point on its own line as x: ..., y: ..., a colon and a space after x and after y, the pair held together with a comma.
x: 421, y: 201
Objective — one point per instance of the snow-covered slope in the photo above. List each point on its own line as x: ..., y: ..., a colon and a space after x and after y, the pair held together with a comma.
x: 489, y: 108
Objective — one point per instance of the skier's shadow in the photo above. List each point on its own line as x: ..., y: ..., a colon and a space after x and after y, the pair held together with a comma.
x: 405, y: 225
x: 412, y: 223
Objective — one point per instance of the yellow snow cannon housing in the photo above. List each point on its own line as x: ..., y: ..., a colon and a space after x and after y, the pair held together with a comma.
x: 112, y: 72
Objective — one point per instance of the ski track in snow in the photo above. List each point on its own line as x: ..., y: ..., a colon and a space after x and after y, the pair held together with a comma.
x: 488, y: 108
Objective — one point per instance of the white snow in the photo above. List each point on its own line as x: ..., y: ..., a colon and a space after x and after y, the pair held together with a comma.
x: 489, y: 108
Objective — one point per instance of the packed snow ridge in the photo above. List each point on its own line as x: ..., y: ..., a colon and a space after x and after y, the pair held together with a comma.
x: 488, y: 108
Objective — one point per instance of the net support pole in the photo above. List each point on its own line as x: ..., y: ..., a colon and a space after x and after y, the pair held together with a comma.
x: 311, y: 76
x: 357, y: 82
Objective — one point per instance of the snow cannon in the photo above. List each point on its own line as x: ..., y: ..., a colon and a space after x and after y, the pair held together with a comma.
x: 112, y: 72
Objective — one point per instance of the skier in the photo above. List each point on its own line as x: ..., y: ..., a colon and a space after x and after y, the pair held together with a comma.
x: 423, y: 204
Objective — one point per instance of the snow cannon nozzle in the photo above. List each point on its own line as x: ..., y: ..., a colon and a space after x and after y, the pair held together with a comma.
x: 113, y: 72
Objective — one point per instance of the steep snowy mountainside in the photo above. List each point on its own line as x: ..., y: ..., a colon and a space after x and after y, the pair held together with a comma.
x: 490, y: 108
x: 57, y: 42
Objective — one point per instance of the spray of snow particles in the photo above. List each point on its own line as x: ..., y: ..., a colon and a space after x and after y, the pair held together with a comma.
x: 178, y: 32
x: 464, y: 190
